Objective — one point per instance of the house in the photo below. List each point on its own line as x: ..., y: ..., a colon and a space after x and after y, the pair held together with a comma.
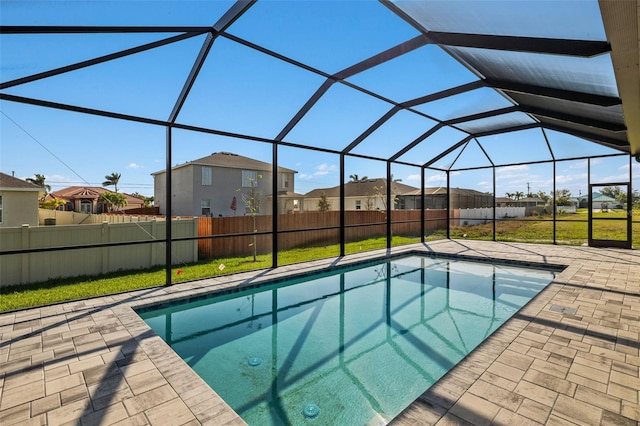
x: 86, y: 199
x: 460, y: 198
x: 604, y: 203
x: 366, y: 194
x: 18, y: 201
x: 370, y: 194
x: 224, y: 184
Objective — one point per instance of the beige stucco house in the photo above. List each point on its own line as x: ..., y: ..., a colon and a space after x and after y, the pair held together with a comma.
x: 366, y: 194
x: 86, y: 199
x: 18, y: 202
x: 209, y: 185
x: 370, y: 194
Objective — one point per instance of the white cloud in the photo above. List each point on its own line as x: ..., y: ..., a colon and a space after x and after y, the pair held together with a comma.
x: 413, y: 178
x: 325, y: 169
x: 134, y: 166
x: 304, y: 176
x: 578, y: 165
x: 582, y: 177
x: 436, y: 178
x: 624, y: 177
x: 512, y: 169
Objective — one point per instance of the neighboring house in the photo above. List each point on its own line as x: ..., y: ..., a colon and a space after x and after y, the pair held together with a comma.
x: 18, y: 201
x: 461, y: 198
x: 367, y: 194
x: 604, y: 202
x: 220, y: 184
x: 86, y: 199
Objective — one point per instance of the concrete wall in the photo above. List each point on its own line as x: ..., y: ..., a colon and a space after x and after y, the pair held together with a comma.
x: 19, y: 207
x: 18, y: 269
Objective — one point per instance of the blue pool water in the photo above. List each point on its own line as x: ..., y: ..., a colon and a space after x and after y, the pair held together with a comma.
x: 351, y: 347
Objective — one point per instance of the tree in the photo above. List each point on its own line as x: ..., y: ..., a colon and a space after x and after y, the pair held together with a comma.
x: 252, y: 201
x: 112, y: 180
x: 380, y: 192
x: 53, y: 203
x: 562, y: 197
x: 323, y: 204
x: 39, y: 180
x: 113, y: 200
x: 543, y: 196
x: 518, y: 195
x: 615, y: 192
x: 355, y: 178
x: 148, y: 201
x: 635, y: 198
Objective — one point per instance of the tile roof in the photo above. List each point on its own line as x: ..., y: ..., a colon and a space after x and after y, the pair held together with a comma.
x: 363, y: 188
x: 89, y: 192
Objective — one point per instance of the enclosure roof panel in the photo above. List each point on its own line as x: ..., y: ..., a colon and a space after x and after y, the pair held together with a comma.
x: 322, y: 75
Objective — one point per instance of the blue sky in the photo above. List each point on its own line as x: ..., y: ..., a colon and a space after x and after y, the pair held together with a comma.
x: 243, y: 91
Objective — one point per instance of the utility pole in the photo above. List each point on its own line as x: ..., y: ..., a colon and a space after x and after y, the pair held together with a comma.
x: 528, y: 189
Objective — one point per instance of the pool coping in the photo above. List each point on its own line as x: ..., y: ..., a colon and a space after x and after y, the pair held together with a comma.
x: 96, y: 361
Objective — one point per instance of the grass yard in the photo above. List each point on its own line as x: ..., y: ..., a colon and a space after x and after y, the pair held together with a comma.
x: 59, y: 290
x: 570, y: 229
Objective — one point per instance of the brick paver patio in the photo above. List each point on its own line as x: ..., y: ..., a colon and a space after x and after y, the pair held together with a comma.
x: 569, y: 357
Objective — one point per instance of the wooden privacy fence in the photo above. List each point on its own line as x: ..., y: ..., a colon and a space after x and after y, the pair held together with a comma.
x: 360, y: 225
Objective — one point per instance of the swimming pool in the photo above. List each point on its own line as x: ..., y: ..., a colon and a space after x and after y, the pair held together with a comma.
x: 351, y: 346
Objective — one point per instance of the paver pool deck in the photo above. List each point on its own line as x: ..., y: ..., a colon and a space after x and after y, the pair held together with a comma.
x: 568, y: 357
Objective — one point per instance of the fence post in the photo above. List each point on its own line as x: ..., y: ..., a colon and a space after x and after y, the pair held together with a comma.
x: 154, y: 236
x: 105, y: 250
x: 24, y: 276
x: 194, y: 232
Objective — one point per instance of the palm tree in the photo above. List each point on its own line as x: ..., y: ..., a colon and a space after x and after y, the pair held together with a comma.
x: 112, y: 180
x: 39, y: 179
x: 355, y: 178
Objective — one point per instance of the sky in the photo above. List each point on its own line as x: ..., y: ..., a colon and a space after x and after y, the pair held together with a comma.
x: 243, y: 91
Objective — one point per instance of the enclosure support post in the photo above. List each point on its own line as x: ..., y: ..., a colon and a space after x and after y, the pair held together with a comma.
x: 167, y: 202
x: 274, y: 208
x: 555, y: 196
x: 389, y: 205
x: 589, y: 203
x: 494, y: 202
x: 342, y: 216
x: 422, y: 214
x: 448, y: 206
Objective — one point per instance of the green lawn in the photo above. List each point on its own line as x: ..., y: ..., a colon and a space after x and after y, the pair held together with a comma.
x: 60, y: 290
x: 570, y: 229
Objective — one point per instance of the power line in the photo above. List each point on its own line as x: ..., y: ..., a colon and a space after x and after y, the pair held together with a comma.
x: 43, y: 147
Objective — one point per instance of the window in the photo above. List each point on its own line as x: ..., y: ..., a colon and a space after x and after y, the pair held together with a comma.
x: 206, y: 207
x: 206, y: 175
x: 249, y: 178
x: 0, y: 208
x: 358, y: 204
x: 285, y: 180
x: 86, y: 206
